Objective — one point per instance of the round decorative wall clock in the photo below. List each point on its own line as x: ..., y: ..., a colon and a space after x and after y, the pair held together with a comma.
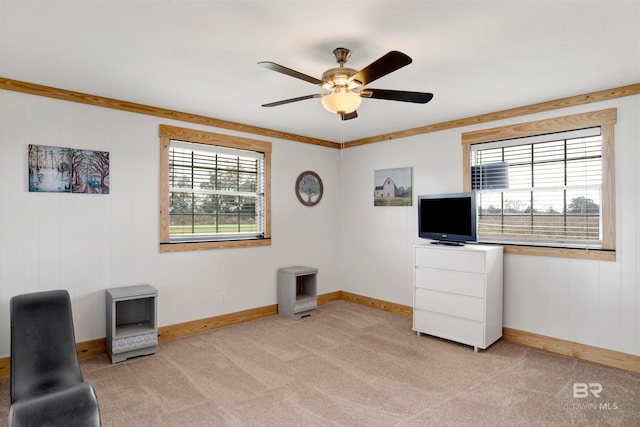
x: 309, y: 188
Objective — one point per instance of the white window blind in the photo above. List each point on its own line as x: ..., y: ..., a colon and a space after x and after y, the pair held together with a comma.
x: 215, y: 193
x: 544, y: 190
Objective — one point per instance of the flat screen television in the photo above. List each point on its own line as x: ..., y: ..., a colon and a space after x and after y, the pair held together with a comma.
x: 447, y: 218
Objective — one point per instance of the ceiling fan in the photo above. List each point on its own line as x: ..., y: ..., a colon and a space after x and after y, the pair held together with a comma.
x: 347, y: 86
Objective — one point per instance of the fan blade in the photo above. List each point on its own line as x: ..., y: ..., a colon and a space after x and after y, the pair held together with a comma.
x: 390, y: 62
x: 397, y: 95
x: 287, y: 101
x: 349, y: 116
x: 289, y: 72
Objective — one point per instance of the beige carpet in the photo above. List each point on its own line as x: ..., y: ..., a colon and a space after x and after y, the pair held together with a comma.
x: 350, y: 365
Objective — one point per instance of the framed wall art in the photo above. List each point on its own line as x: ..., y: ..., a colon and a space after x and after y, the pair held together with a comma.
x: 393, y: 187
x: 49, y: 169
x: 90, y: 172
x: 309, y: 188
x: 54, y: 169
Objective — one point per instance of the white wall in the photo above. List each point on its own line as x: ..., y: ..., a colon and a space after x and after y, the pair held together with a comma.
x: 591, y: 302
x: 87, y: 243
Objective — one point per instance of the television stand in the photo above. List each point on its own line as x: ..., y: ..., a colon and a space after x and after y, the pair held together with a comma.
x: 446, y: 242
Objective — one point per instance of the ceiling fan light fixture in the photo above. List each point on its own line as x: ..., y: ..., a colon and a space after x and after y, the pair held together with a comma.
x: 341, y: 102
x: 348, y: 86
x: 339, y: 77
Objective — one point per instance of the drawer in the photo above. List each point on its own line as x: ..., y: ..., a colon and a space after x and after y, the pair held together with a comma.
x: 452, y: 328
x: 456, y: 259
x: 451, y: 304
x: 450, y: 281
x: 135, y: 342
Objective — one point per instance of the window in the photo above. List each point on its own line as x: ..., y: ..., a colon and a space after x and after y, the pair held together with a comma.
x: 214, y: 190
x: 540, y: 190
x: 545, y: 184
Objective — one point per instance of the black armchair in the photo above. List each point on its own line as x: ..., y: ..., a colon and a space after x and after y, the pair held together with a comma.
x: 47, y: 387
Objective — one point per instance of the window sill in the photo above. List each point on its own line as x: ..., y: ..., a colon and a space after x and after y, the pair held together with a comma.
x: 223, y: 244
x: 592, y: 254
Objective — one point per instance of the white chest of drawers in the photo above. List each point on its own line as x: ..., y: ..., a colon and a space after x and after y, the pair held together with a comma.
x: 457, y: 293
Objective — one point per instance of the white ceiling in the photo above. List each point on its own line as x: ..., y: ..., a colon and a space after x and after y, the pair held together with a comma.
x: 200, y: 56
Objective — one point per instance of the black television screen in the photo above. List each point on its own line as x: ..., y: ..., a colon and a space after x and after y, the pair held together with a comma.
x: 447, y: 218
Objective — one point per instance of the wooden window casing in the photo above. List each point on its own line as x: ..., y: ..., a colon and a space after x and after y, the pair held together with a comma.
x: 168, y: 133
x: 606, y: 120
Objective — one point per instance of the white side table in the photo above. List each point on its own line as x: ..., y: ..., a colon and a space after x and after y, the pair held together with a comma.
x: 297, y: 292
x: 132, y: 328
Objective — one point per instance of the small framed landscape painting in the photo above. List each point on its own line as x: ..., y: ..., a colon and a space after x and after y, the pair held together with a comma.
x: 393, y: 187
x: 90, y: 172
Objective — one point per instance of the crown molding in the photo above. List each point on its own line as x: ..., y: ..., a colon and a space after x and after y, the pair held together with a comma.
x: 99, y: 101
x: 571, y: 101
